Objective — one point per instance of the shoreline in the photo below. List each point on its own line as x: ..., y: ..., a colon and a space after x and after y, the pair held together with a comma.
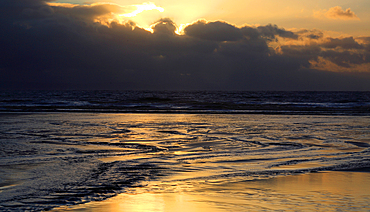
x: 195, y: 162
x: 327, y: 191
x: 192, y: 112
x: 364, y: 169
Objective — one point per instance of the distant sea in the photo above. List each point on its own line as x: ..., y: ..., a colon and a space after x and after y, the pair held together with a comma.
x: 63, y: 148
x: 270, y: 102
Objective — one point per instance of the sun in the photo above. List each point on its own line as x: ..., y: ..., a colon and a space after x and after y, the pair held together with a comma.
x: 144, y: 14
x: 182, y: 12
x: 141, y: 8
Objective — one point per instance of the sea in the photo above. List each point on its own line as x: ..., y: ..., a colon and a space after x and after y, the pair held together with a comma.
x: 65, y: 148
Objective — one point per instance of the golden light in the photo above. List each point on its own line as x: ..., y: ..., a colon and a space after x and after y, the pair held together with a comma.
x: 67, y: 5
x: 180, y: 29
x: 182, y: 12
x: 143, y: 7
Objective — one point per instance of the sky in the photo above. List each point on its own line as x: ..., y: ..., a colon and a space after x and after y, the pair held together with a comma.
x: 185, y: 44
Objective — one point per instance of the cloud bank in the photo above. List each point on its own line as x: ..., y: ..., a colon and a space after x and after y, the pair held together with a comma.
x: 51, y: 46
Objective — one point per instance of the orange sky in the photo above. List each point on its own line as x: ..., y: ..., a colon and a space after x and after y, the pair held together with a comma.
x: 314, y: 14
x: 189, y: 44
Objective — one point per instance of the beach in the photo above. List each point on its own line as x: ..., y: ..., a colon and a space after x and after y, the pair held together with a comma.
x: 197, y: 162
x: 321, y: 191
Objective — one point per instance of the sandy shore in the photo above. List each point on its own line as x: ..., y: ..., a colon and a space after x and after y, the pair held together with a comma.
x: 322, y: 191
x: 184, y: 162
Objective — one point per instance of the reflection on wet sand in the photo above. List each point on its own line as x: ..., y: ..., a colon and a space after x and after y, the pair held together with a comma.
x: 192, y: 162
x: 322, y: 191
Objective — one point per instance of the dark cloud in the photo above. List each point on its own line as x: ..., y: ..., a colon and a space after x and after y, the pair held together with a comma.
x: 217, y: 31
x: 366, y: 44
x: 270, y: 31
x: 54, y: 47
x: 344, y: 58
x: 365, y: 39
x: 301, y: 54
x: 165, y: 25
x: 90, y: 12
x: 345, y: 43
x: 311, y: 34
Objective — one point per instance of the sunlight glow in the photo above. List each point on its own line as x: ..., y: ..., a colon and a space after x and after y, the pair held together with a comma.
x: 143, y: 7
x: 55, y: 4
x: 180, y: 29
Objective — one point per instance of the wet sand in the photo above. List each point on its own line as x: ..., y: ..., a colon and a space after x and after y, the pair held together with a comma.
x: 183, y: 162
x: 321, y: 191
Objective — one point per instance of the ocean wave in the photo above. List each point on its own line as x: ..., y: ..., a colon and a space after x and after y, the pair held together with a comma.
x: 310, y: 103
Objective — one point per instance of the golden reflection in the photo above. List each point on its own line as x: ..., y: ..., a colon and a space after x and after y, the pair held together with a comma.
x: 298, y: 166
x: 179, y: 202
x: 324, y: 191
x: 121, y: 158
x: 199, y: 176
